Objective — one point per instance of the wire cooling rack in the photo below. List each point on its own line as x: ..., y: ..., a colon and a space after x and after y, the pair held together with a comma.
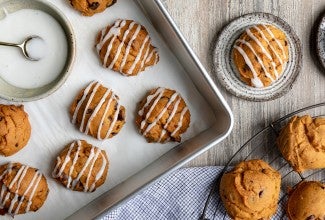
x: 263, y: 146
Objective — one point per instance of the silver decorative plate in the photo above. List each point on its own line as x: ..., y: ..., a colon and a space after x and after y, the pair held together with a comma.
x: 227, y: 73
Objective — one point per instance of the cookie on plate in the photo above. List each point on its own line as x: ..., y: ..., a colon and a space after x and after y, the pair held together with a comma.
x: 306, y: 201
x: 302, y: 143
x: 81, y: 167
x: 126, y: 47
x: 163, y: 116
x: 91, y: 7
x: 261, y: 54
x: 15, y: 129
x: 96, y: 111
x: 23, y: 189
x: 251, y: 190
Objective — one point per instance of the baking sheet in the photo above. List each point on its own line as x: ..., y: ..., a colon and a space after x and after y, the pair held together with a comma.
x: 128, y: 151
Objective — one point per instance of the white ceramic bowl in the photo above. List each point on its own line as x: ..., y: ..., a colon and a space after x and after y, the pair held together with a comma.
x: 13, y: 93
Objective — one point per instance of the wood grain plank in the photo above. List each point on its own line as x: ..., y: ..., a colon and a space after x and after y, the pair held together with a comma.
x: 201, y: 20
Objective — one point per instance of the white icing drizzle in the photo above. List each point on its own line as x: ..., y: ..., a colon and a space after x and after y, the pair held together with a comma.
x: 27, y: 190
x: 104, y: 115
x: 91, y: 169
x: 73, y: 163
x: 180, y: 122
x: 269, y: 43
x: 98, y: 107
x: 127, y: 51
x: 99, y: 173
x: 19, y: 178
x: 100, y: 104
x: 91, y: 160
x: 137, y: 58
x: 117, y: 54
x: 86, y: 91
x: 87, y: 106
x: 114, y: 121
x: 143, y: 123
x: 170, y: 118
x: 150, y: 126
x: 112, y: 32
x: 276, y: 40
x: 256, y: 81
x: 251, y: 35
x: 149, y: 99
x: 258, y: 58
x: 110, y: 45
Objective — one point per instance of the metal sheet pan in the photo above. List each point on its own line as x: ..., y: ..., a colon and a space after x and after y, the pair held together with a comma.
x: 156, y: 12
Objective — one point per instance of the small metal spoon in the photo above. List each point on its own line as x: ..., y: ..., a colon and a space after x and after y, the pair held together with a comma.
x: 22, y: 46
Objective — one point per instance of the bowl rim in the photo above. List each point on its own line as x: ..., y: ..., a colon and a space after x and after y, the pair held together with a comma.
x: 66, y: 71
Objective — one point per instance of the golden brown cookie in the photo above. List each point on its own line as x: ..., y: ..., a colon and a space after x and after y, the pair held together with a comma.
x: 307, y: 201
x: 91, y: 7
x: 251, y: 190
x: 23, y: 189
x: 126, y: 47
x: 302, y: 143
x: 81, y: 167
x: 15, y: 129
x: 96, y: 112
x: 163, y: 116
x: 261, y: 54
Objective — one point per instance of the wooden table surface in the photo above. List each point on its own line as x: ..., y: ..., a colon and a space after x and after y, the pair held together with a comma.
x: 201, y: 20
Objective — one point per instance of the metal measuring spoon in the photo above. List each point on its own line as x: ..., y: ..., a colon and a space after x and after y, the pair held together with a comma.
x: 23, y: 46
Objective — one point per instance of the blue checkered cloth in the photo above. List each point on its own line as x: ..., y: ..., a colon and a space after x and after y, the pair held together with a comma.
x: 181, y: 195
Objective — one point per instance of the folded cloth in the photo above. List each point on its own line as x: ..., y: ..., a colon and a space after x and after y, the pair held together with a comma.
x: 181, y: 195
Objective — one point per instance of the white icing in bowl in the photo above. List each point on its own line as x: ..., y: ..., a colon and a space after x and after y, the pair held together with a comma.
x: 16, y: 69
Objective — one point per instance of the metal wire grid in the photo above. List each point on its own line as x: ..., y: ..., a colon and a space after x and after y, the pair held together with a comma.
x: 262, y: 146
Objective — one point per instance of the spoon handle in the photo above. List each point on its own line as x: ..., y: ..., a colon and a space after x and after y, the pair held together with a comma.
x: 9, y: 44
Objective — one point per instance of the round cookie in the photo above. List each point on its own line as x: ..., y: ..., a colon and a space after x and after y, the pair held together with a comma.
x: 302, y: 143
x: 96, y: 112
x: 307, y: 201
x: 163, y: 116
x: 91, y: 7
x: 23, y: 189
x: 260, y: 55
x: 126, y: 47
x: 81, y: 167
x: 251, y: 190
x: 15, y: 129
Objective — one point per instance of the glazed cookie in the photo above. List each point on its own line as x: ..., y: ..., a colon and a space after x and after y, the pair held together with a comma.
x: 91, y: 7
x: 251, y: 190
x: 81, y: 167
x: 126, y: 47
x: 261, y: 54
x: 163, y: 116
x: 302, y: 143
x: 23, y: 189
x: 306, y: 201
x: 96, y: 112
x: 15, y: 129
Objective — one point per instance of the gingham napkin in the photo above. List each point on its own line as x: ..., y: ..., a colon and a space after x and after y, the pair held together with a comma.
x: 181, y: 195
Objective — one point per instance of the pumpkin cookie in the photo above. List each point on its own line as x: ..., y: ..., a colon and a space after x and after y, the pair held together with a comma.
x: 306, y: 201
x: 96, y: 112
x: 251, y: 190
x: 302, y: 143
x: 126, y: 47
x: 261, y: 54
x: 163, y: 116
x: 81, y: 167
x: 23, y: 189
x: 91, y: 7
x: 15, y: 129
